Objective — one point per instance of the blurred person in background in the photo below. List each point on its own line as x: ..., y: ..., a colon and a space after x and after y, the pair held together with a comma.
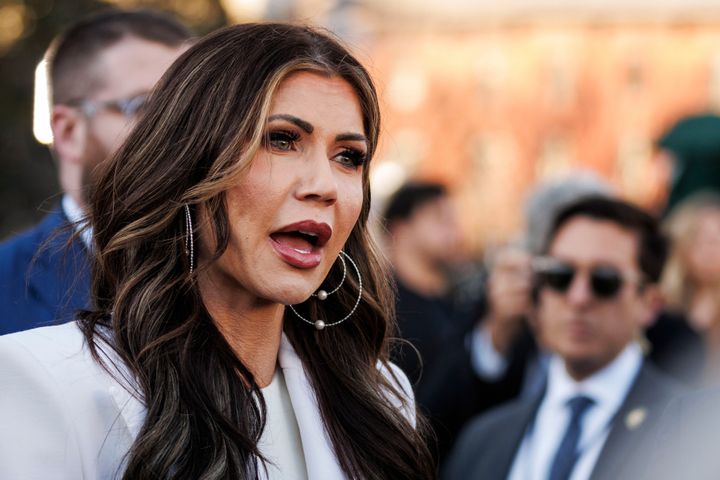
x: 502, y: 359
x: 497, y: 358
x: 504, y: 334
x: 597, y: 289
x: 100, y: 71
x: 690, y: 153
x: 691, y: 281
x: 423, y: 242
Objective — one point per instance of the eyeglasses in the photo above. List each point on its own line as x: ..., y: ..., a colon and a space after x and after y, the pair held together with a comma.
x: 605, y: 282
x: 129, y: 107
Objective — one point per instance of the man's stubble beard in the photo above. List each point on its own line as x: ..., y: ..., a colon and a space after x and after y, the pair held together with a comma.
x: 95, y: 154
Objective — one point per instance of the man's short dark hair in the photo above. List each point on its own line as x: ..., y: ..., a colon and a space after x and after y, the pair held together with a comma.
x: 70, y: 57
x: 652, y: 244
x: 409, y: 198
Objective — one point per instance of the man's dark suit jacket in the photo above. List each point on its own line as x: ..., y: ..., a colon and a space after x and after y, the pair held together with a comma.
x: 44, y: 277
x: 487, y: 447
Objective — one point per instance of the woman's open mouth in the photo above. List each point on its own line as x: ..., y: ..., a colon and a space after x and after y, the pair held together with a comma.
x: 300, y: 244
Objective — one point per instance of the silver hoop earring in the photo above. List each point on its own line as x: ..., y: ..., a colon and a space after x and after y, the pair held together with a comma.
x: 322, y: 295
x: 189, y: 242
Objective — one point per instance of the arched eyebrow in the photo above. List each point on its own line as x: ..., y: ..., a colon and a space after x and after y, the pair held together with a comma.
x: 343, y: 137
x: 306, y: 126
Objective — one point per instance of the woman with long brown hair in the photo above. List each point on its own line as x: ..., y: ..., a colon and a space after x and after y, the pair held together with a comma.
x: 241, y: 313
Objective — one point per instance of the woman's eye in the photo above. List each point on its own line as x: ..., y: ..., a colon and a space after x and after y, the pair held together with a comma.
x: 282, y: 141
x: 351, y: 158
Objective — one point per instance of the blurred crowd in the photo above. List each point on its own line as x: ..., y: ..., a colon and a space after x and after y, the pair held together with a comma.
x: 555, y: 357
x: 596, y: 301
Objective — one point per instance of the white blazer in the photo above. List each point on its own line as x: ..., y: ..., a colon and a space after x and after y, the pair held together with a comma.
x: 64, y: 417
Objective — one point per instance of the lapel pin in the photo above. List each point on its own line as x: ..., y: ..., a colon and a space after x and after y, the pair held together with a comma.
x: 635, y: 417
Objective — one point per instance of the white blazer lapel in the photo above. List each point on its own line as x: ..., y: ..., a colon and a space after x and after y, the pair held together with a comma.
x: 128, y: 422
x: 131, y: 409
x: 124, y: 392
x: 319, y: 454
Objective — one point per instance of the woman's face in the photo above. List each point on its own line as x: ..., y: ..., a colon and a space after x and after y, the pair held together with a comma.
x: 704, y: 249
x: 292, y: 212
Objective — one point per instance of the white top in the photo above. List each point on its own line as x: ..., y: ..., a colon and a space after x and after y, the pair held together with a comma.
x: 62, y: 417
x: 608, y: 388
x: 280, y: 442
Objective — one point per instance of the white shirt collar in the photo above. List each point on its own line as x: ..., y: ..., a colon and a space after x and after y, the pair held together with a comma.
x: 76, y: 216
x: 607, y: 387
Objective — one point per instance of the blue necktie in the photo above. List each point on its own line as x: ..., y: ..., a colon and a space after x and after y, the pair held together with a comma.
x: 567, y: 452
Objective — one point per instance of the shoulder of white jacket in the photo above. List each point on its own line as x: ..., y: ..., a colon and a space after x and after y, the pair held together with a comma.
x: 399, y: 380
x: 397, y: 376
x: 57, y: 341
x: 61, y: 350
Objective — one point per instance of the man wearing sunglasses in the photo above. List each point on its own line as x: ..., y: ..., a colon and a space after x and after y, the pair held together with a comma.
x: 101, y: 71
x: 596, y: 290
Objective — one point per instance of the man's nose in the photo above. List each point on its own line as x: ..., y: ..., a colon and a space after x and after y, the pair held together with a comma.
x: 579, y: 293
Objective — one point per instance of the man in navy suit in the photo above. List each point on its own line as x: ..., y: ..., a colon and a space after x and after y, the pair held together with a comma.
x: 596, y: 291
x: 100, y: 73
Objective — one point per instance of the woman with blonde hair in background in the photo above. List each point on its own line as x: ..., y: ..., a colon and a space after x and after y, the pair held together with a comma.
x: 241, y: 317
x: 691, y: 280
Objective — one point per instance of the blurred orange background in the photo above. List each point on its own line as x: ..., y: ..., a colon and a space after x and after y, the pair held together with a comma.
x: 487, y: 98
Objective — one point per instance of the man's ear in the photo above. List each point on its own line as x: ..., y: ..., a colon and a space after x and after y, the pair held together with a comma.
x: 69, y: 128
x: 652, y: 303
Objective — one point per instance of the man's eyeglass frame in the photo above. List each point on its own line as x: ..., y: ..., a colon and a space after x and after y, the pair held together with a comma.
x: 128, y: 107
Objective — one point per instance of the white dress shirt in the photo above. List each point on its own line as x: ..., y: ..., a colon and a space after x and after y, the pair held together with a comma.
x: 607, y: 388
x: 75, y: 215
x: 488, y: 363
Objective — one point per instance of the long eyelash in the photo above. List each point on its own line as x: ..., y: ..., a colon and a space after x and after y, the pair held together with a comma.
x: 358, y: 157
x: 288, y: 135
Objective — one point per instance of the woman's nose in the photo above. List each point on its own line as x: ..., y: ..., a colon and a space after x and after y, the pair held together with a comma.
x: 318, y: 181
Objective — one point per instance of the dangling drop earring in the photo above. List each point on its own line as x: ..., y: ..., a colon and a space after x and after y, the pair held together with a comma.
x: 189, y: 242
x: 323, y: 295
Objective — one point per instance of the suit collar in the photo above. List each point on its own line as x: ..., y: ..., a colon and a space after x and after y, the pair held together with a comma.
x: 521, y: 417
x: 633, y: 423
x: 608, y: 387
x: 58, y: 277
x: 124, y: 391
x: 319, y: 453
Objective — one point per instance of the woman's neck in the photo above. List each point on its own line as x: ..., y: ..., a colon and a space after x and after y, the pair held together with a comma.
x: 252, y: 327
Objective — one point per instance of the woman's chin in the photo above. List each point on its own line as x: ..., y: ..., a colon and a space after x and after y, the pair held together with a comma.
x: 290, y: 297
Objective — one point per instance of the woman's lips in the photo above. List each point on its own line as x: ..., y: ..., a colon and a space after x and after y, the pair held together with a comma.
x: 300, y: 244
x: 296, y: 252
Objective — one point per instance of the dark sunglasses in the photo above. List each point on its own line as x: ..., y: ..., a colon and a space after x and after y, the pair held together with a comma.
x: 605, y: 282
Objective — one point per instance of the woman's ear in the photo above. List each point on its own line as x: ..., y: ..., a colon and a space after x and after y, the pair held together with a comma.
x: 69, y: 128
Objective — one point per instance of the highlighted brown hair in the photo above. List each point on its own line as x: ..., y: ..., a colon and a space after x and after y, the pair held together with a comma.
x: 204, y: 122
